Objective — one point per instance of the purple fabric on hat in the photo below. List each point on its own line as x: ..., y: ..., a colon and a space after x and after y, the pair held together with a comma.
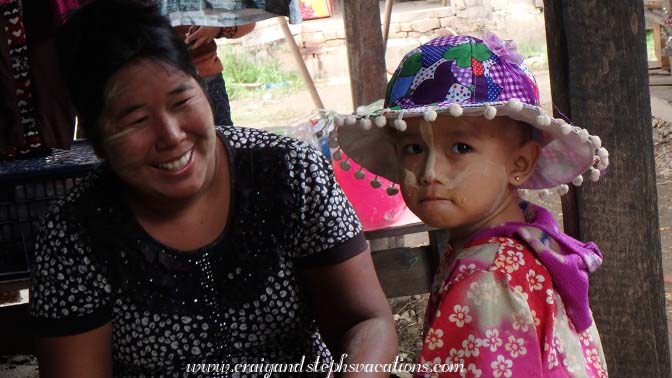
x: 450, y: 40
x: 569, y: 264
x: 432, y: 54
x: 514, y: 83
x: 462, y: 74
x: 435, y: 89
x: 505, y: 50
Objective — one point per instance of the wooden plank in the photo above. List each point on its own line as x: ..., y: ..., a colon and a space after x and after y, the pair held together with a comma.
x: 15, y: 285
x: 366, y: 53
x: 412, y: 228
x: 404, y: 271
x: 658, y: 45
x: 653, y: 4
x: 15, y: 330
x: 620, y: 213
x: 438, y: 243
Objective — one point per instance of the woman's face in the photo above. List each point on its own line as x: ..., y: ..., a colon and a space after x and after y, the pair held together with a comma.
x: 158, y: 131
x: 457, y: 172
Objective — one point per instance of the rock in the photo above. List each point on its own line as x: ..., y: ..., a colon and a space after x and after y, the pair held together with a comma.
x: 398, y: 35
x: 447, y: 21
x: 425, y: 25
x: 473, y: 12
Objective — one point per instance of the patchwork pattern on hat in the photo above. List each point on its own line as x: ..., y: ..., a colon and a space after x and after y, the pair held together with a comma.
x: 435, y: 67
x: 463, y: 76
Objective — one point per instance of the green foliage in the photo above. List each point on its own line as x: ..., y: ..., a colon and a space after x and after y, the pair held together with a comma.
x: 536, y: 55
x: 650, y: 46
x: 242, y: 70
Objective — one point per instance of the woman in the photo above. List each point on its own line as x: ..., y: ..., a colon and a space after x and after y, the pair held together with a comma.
x: 192, y: 244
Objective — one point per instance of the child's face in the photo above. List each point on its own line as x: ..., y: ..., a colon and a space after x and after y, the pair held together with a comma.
x: 459, y: 172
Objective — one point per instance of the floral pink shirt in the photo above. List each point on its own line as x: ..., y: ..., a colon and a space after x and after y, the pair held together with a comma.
x: 494, y: 309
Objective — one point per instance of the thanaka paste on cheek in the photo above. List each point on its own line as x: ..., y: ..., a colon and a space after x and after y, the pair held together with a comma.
x: 123, y: 133
x: 427, y: 134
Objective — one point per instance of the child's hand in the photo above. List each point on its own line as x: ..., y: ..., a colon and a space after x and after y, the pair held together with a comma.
x: 200, y: 35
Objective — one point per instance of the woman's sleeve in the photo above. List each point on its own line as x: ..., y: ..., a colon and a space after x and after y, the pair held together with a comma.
x: 69, y: 293
x: 485, y: 325
x: 326, y: 229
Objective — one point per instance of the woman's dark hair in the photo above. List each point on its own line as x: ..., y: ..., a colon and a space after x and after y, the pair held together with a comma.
x: 100, y: 38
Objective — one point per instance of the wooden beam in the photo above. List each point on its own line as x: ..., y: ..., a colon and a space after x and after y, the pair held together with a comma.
x: 300, y: 63
x: 366, y: 53
x: 604, y: 87
x: 388, y: 232
x: 15, y: 332
x: 404, y: 271
x: 386, y: 22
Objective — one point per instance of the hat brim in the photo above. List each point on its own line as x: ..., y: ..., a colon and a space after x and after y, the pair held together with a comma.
x: 565, y: 153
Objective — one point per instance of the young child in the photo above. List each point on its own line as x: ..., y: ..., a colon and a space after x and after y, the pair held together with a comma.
x: 462, y: 133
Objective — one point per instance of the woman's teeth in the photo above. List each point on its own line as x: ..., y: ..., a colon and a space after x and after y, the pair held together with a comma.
x: 177, y: 164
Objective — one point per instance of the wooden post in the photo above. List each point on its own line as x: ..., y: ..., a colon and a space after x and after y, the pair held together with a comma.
x: 307, y: 79
x: 664, y: 60
x: 366, y: 53
x: 598, y: 67
x: 387, y: 17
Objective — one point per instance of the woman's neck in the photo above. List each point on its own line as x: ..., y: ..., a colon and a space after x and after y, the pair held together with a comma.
x: 192, y: 223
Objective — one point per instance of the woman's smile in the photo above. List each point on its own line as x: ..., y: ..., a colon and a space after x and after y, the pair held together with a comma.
x: 178, y: 164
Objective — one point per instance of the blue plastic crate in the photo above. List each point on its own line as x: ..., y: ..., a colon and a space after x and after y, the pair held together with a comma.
x: 27, y: 187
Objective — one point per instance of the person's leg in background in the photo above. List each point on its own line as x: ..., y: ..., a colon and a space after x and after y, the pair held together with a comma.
x: 219, y: 99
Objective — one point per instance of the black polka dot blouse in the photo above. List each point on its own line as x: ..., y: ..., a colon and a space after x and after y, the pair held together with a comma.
x: 236, y: 300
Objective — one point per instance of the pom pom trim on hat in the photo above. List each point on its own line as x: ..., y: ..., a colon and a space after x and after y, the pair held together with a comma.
x: 515, y: 109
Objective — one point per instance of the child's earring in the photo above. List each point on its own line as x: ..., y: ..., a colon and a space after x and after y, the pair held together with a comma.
x: 517, y: 178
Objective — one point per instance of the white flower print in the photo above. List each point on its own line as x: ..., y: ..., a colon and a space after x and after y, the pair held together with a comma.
x: 455, y: 356
x: 515, y: 260
x: 501, y: 367
x: 480, y: 293
x: 471, y: 372
x: 521, y: 320
x: 593, y: 357
x: 502, y: 241
x: 460, y: 316
x: 437, y: 361
x: 535, y: 280
x: 470, y: 345
x: 464, y: 271
x: 438, y: 314
x: 557, y: 344
x: 549, y: 296
x: 491, y: 340
x: 519, y: 289
x: 535, y: 318
x: 433, y: 339
x: 570, y: 363
x: 552, y: 358
x: 586, y: 337
x: 515, y: 346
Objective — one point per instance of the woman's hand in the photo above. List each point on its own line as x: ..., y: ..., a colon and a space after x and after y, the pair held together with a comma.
x: 86, y: 355
x: 352, y: 312
x: 198, y: 36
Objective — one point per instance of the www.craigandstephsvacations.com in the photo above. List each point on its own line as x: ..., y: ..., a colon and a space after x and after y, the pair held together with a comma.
x: 268, y: 368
